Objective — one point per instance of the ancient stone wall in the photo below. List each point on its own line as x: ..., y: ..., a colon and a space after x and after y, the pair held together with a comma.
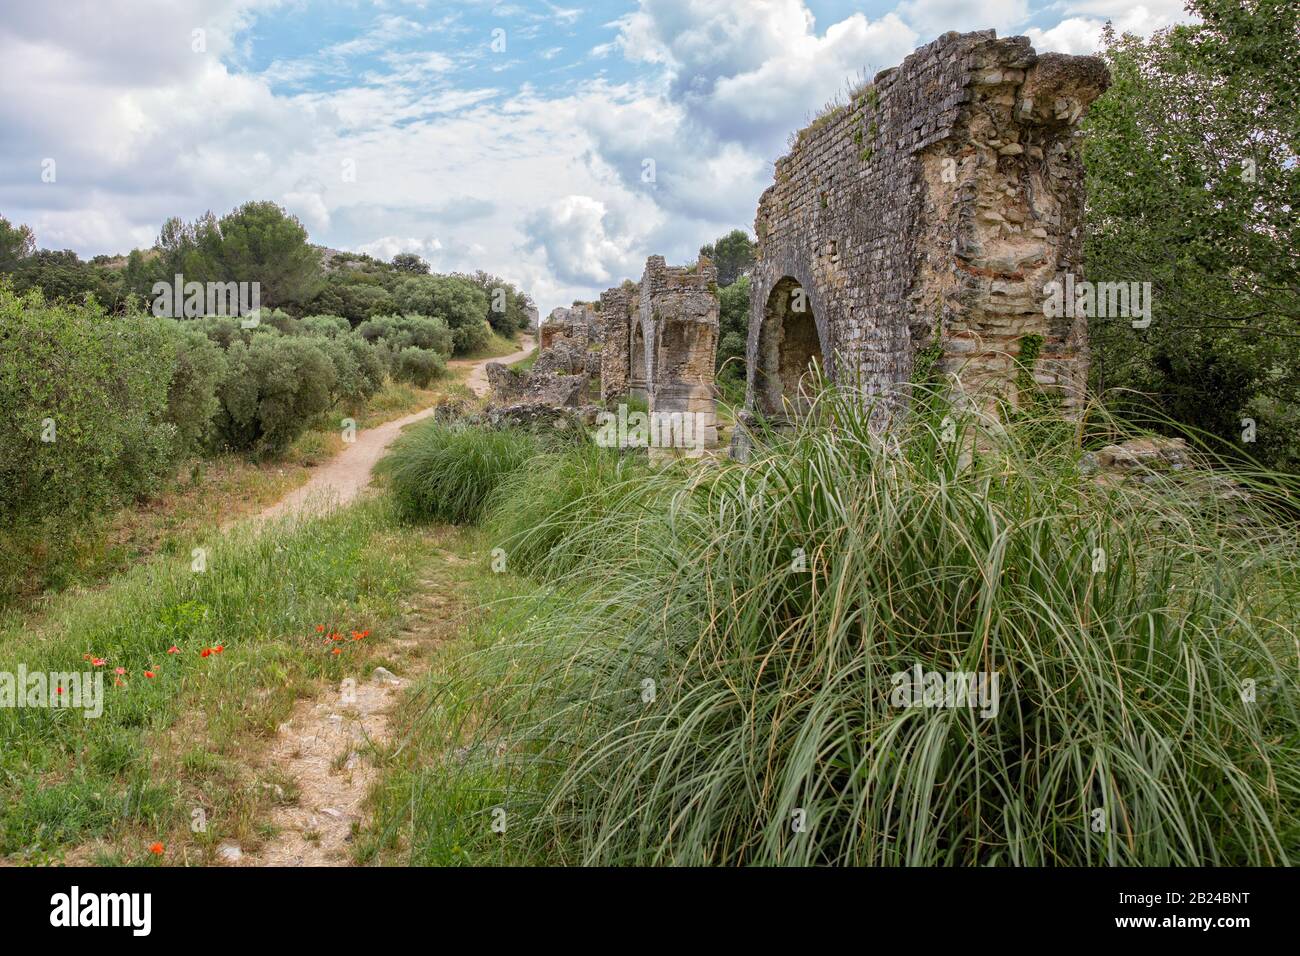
x: 661, y: 341
x: 579, y: 325
x: 926, y: 215
x: 616, y: 307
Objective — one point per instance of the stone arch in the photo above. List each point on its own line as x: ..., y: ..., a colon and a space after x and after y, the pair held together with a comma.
x: 790, y: 340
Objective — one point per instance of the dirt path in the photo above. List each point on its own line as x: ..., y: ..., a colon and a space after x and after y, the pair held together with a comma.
x: 344, y: 476
x: 326, y: 746
x: 478, y: 381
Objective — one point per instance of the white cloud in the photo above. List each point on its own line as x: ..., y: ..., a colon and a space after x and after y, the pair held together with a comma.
x: 583, y: 242
x: 933, y: 17
x: 1082, y: 34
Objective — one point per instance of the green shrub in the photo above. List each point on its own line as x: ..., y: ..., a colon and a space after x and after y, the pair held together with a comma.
x: 324, y: 326
x: 418, y: 366
x: 445, y: 473
x: 471, y: 337
x: 718, y: 667
x: 272, y: 389
x: 98, y: 389
x: 192, y: 393
x: 358, y: 371
x: 404, y: 331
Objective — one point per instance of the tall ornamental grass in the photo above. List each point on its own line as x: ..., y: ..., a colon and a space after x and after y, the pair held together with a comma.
x: 710, y: 673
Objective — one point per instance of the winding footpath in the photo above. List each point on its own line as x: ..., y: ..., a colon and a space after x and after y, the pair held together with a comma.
x: 343, y: 477
x: 327, y: 744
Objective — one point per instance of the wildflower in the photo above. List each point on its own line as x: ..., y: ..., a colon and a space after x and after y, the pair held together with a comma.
x: 119, y: 671
x: 337, y: 650
x: 117, y: 682
x: 156, y: 849
x: 218, y: 649
x: 205, y: 652
x: 99, y: 662
x: 149, y: 674
x: 320, y: 628
x: 173, y: 649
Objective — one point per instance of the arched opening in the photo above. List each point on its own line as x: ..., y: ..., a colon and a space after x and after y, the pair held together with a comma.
x: 637, y: 372
x: 788, y: 346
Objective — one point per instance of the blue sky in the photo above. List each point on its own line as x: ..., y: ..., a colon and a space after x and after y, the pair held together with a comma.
x: 556, y: 144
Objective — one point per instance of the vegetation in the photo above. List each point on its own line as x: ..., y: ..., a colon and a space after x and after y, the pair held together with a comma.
x: 246, y: 646
x: 711, y: 656
x: 446, y: 473
x: 1192, y: 186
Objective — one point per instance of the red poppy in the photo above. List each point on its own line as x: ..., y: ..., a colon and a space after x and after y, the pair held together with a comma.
x: 119, y: 670
x: 218, y: 649
x: 320, y: 628
x: 173, y: 649
x: 337, y: 650
x: 156, y: 849
x: 99, y: 662
x: 205, y: 652
x: 148, y: 674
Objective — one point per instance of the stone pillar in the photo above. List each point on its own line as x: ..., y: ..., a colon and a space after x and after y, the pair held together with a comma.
x: 679, y: 310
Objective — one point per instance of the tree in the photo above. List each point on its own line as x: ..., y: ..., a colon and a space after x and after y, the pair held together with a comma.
x: 456, y: 300
x: 410, y: 263
x: 733, y: 254
x: 260, y: 242
x: 16, y: 244
x: 733, y: 328
x: 1192, y: 186
x: 507, y: 307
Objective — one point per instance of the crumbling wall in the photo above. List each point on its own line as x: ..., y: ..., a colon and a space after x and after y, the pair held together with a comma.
x: 661, y: 341
x: 926, y: 215
x: 679, y: 316
x: 615, y: 370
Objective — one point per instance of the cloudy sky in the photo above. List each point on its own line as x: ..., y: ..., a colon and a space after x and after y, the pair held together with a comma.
x: 557, y: 144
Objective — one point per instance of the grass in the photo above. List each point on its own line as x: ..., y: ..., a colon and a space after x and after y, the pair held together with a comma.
x: 497, y: 346
x: 205, y: 495
x: 104, y: 789
x: 526, y: 364
x: 445, y: 473
x: 715, y: 658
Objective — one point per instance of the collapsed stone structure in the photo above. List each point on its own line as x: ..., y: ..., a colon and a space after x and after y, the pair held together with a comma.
x: 655, y: 340
x: 918, y: 225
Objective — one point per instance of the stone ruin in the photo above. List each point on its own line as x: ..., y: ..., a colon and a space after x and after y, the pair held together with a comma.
x: 914, y: 229
x: 656, y: 340
x: 910, y: 233
x: 661, y: 342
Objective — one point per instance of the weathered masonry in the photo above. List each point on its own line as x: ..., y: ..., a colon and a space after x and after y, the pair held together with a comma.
x: 920, y: 222
x: 661, y: 341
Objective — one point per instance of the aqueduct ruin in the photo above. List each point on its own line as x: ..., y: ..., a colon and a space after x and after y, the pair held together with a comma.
x: 910, y: 230
x: 927, y: 214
